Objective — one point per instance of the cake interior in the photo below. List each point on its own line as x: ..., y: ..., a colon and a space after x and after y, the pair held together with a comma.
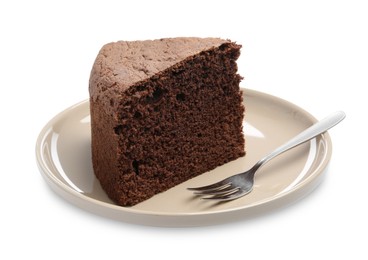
x: 177, y: 124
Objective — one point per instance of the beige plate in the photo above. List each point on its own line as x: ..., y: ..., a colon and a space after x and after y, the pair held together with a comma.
x: 64, y: 159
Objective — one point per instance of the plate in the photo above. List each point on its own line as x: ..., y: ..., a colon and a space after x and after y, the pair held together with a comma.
x: 63, y: 155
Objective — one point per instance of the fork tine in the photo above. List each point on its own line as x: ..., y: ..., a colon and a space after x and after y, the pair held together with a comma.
x: 232, y: 196
x: 228, y: 190
x: 215, y: 186
x: 221, y: 189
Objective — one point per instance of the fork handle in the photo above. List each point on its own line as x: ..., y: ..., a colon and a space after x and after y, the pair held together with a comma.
x: 308, y: 134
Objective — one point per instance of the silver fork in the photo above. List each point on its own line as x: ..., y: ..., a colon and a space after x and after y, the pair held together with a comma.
x: 241, y: 184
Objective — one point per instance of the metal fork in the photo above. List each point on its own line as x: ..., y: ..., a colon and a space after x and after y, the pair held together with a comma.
x: 241, y: 184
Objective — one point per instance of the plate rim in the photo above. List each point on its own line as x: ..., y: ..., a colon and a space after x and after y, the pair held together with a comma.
x: 198, y: 218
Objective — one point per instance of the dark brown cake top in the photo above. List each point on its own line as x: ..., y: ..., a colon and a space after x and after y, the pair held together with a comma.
x: 125, y: 63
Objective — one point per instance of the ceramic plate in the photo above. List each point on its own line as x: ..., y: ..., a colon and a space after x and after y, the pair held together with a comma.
x: 64, y: 159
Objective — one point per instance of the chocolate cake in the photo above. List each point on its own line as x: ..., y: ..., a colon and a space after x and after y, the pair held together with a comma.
x: 163, y: 111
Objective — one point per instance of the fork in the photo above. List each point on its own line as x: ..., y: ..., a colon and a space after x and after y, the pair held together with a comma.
x: 241, y: 184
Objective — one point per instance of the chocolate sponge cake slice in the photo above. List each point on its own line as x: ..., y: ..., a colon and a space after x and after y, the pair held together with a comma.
x: 162, y: 112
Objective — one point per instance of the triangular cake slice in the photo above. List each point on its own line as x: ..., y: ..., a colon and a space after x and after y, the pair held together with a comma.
x: 162, y: 112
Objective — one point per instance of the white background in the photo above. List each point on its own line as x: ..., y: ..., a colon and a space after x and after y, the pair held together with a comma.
x: 312, y: 53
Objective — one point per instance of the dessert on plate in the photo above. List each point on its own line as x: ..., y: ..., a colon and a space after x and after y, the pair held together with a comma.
x: 162, y: 112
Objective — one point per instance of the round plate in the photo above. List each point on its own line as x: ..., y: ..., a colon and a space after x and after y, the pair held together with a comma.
x: 64, y: 158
